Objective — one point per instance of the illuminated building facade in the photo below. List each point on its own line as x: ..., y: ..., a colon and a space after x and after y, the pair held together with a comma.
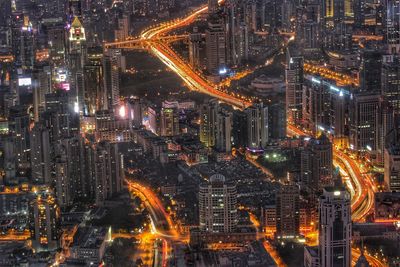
x: 257, y: 126
x: 294, y: 88
x: 169, y: 122
x: 218, y: 205
x: 288, y: 212
x: 335, y: 227
x: 44, y: 217
x: 215, y: 46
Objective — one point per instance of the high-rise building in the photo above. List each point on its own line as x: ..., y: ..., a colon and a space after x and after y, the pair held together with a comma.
x: 137, y: 112
x: 370, y: 71
x: 335, y: 227
x: 215, y: 46
x: 316, y: 164
x: 107, y: 171
x: 122, y: 31
x: 391, y: 23
x: 277, y: 121
x: 218, y: 205
x: 195, y: 40
x: 41, y: 159
x: 94, y: 96
x: 169, y: 122
x: 223, y: 142
x: 390, y: 82
x: 19, y: 123
x: 257, y: 126
x: 363, y: 122
x: 294, y: 88
x: 112, y: 68
x: 44, y: 222
x: 392, y: 168
x: 287, y: 212
x: 208, y: 120
x: 239, y: 126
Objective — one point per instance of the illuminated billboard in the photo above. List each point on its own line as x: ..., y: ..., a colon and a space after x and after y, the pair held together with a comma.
x: 24, y: 81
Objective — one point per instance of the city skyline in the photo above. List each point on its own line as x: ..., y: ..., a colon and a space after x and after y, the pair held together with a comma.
x: 200, y: 133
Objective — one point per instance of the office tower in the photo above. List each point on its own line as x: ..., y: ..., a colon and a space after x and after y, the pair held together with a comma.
x: 215, y: 46
x: 107, y: 171
x: 169, y: 122
x: 26, y: 57
x: 385, y: 128
x: 76, y: 60
x: 61, y: 115
x: 44, y: 218
x: 257, y: 126
x: 19, y: 123
x: 370, y: 71
x: 335, y: 227
x: 195, y: 40
x: 287, y: 211
x: 334, y: 12
x: 22, y: 41
x: 212, y: 6
x: 137, y: 112
x: 391, y: 23
x: 321, y: 147
x: 68, y: 178
x: 359, y: 13
x: 273, y: 13
x: 277, y: 121
x: 42, y: 85
x: 239, y: 126
x: 294, y: 88
x: 316, y: 164
x: 154, y: 119
x: 391, y: 81
x: 208, y: 120
x: 218, y: 205
x: 41, y: 154
x: 223, y: 131
x: 56, y: 42
x: 392, y: 168
x: 122, y: 31
x: 112, y: 68
x: 363, y: 113
x: 94, y: 96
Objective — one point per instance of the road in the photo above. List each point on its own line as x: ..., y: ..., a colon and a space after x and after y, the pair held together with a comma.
x: 363, y: 200
x: 164, y: 235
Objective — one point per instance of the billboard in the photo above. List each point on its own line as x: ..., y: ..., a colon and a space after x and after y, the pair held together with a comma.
x: 24, y: 81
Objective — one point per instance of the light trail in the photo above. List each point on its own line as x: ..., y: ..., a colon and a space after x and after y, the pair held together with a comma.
x: 362, y: 201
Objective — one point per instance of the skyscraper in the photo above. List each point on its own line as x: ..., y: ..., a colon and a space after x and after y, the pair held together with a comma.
x: 391, y: 23
x: 257, y: 126
x: 223, y: 142
x: 392, y: 168
x: 390, y: 83
x: 363, y: 113
x: 294, y: 88
x: 107, y: 171
x: 208, y: 117
x: 215, y: 46
x: 169, y: 122
x: 287, y: 211
x: 335, y: 227
x: 218, y: 205
x: 44, y: 222
x: 111, y: 69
